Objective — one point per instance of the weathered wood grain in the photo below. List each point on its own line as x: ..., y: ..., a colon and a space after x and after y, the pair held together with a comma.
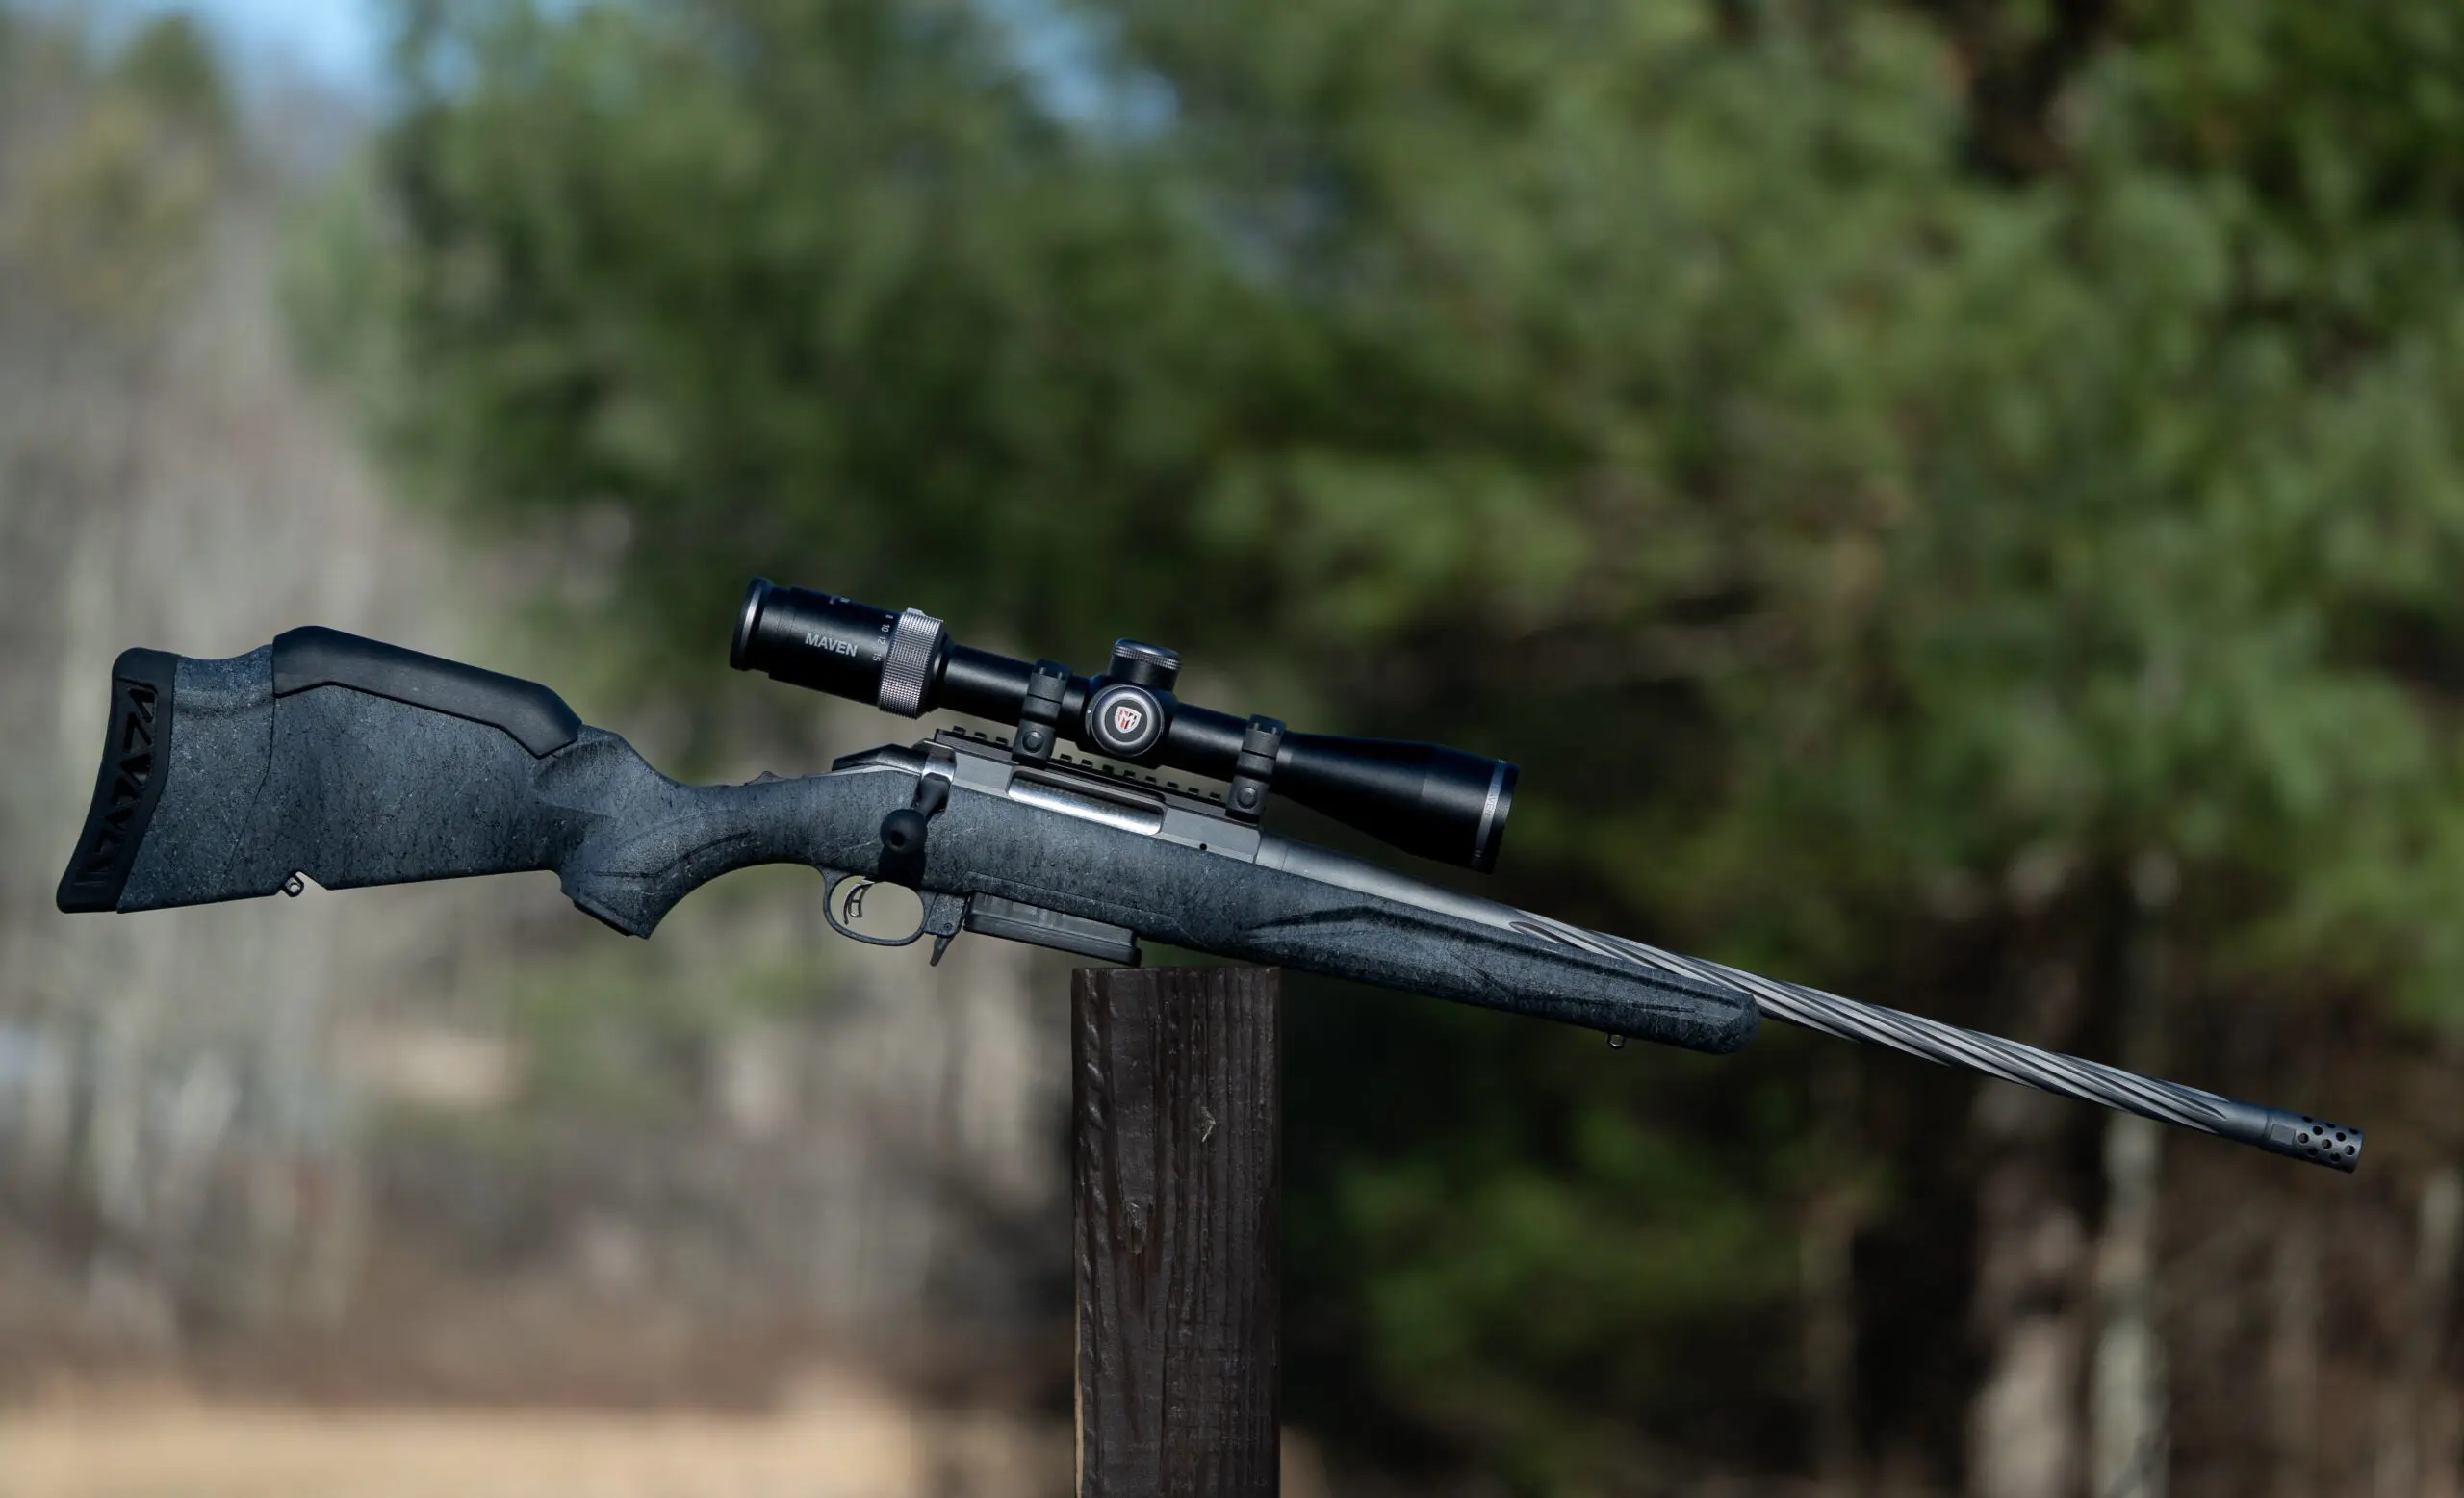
x: 1178, y: 1183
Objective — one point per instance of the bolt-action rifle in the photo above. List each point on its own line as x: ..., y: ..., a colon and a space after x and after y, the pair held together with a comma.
x: 324, y: 756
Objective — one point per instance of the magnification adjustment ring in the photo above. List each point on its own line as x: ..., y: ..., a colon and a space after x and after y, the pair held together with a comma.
x: 907, y: 673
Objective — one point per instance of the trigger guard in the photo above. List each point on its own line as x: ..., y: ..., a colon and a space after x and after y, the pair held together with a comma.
x: 939, y: 917
x: 829, y: 912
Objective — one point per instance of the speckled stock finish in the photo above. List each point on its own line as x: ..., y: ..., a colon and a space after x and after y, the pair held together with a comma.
x: 362, y: 764
x: 352, y: 788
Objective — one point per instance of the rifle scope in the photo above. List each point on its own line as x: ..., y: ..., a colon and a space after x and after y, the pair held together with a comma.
x: 1428, y: 799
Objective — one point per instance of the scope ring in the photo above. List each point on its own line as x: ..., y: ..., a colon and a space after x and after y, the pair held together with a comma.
x: 1244, y: 798
x: 1039, y: 713
x: 856, y: 906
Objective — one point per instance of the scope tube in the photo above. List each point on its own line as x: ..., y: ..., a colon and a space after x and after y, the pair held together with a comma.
x: 1428, y: 799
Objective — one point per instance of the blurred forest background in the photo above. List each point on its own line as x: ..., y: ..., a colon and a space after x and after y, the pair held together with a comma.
x: 1953, y: 501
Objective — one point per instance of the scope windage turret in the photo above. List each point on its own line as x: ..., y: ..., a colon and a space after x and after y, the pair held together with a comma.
x: 1426, y: 799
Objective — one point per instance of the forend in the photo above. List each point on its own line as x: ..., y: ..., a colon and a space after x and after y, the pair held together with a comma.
x: 1428, y: 799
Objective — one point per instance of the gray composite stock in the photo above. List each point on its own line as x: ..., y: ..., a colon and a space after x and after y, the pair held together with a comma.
x: 358, y: 763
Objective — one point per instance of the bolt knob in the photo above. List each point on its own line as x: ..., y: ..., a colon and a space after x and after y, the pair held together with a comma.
x: 903, y: 829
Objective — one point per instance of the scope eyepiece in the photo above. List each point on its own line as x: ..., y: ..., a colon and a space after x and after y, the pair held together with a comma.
x: 839, y: 646
x: 1426, y: 799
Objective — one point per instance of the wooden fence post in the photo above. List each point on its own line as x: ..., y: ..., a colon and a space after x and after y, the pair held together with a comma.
x: 1175, y: 1208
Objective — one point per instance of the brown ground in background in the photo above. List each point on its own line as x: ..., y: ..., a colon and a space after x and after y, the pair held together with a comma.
x: 839, y: 1437
x: 443, y: 1386
x: 523, y: 1387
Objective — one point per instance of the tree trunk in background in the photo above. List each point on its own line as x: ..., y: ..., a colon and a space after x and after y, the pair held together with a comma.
x: 2129, y: 1440
x: 2411, y: 1462
x: 1827, y: 1274
x: 2023, y: 1437
x: 926, y: 1133
x: 2293, y: 1355
x: 2434, y: 1409
x: 177, y: 1117
x: 1830, y: 1341
x: 173, y: 487
x: 2126, y: 1395
x: 2023, y: 1423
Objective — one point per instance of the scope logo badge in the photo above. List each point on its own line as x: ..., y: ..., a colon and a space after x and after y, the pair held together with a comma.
x: 1125, y: 720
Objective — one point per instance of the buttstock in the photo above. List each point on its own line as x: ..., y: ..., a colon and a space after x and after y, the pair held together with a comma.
x: 355, y: 764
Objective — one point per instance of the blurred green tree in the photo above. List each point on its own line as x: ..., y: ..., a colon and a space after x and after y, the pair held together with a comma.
x: 108, y: 205
x: 1916, y: 484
